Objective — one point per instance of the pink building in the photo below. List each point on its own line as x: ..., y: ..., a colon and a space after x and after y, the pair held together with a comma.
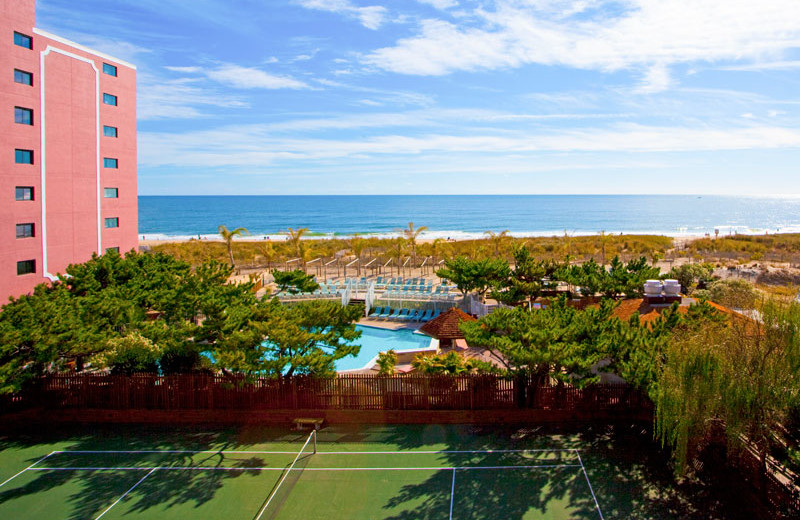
x: 67, y: 152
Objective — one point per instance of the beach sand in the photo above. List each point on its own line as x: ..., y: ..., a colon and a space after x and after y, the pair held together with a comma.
x: 679, y: 241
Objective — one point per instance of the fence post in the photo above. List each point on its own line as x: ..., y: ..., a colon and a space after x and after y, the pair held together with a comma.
x: 471, y: 387
x: 520, y: 384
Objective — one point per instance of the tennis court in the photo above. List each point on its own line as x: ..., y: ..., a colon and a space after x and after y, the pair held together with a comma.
x: 357, y: 472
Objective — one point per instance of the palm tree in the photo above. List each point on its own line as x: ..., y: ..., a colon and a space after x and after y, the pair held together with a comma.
x: 411, y: 235
x: 497, y: 239
x: 267, y: 250
x: 295, y: 235
x: 227, y: 236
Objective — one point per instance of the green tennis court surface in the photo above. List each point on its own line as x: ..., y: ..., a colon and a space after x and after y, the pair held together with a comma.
x: 391, y: 472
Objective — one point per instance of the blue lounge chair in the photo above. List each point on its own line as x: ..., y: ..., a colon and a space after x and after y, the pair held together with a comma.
x: 426, y: 316
x: 436, y: 314
x: 385, y: 314
x: 397, y: 313
x: 415, y: 315
x: 376, y: 312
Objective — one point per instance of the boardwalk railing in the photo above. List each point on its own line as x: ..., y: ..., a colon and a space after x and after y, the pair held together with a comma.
x: 345, y: 392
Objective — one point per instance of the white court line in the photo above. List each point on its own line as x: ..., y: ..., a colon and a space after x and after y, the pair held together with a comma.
x: 126, y: 494
x: 101, y: 452
x: 423, y: 452
x: 452, y: 493
x: 6, y: 481
x: 290, y: 468
x: 147, y: 468
x: 254, y: 468
x: 398, y: 452
x: 590, y: 488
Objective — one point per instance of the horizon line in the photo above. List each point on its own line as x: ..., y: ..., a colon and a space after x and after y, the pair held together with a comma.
x: 776, y: 195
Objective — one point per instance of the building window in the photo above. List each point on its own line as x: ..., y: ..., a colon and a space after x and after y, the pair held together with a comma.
x: 26, y: 267
x: 23, y: 40
x: 111, y: 70
x: 112, y: 249
x: 20, y: 76
x: 23, y: 156
x: 109, y: 99
x: 110, y: 131
x: 108, y: 162
x: 23, y: 116
x: 23, y: 193
x: 25, y: 230
x: 112, y: 222
x: 111, y: 193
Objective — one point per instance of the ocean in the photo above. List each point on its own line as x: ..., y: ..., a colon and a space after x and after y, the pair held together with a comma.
x: 465, y: 216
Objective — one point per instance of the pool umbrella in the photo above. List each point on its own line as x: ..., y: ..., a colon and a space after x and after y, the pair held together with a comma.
x: 445, y: 326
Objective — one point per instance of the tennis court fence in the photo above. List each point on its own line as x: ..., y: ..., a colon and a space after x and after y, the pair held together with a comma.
x: 344, y: 392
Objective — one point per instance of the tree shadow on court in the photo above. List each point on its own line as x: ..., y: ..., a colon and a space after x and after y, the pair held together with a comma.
x: 509, y: 493
x: 629, y: 473
x: 91, y: 492
x: 626, y: 464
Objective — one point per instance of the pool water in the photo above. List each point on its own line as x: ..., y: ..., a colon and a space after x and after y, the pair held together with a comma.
x: 374, y: 340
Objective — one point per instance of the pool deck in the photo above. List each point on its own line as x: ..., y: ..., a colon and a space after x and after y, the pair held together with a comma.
x: 390, y: 324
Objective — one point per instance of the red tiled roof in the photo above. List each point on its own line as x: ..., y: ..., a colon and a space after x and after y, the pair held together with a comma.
x: 649, y: 313
x: 446, y: 325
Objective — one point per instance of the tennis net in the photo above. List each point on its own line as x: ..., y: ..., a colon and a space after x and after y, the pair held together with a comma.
x: 290, y: 476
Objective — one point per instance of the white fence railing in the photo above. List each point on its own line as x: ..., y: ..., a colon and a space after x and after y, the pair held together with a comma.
x: 347, y: 294
x: 369, y: 298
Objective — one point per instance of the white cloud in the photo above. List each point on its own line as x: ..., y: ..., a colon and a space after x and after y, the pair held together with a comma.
x: 257, y: 145
x: 657, y: 79
x: 185, y: 70
x: 771, y: 65
x: 178, y: 99
x: 647, y: 35
x: 371, y: 17
x: 439, y: 4
x: 243, y: 77
x: 417, y: 119
x: 250, y: 78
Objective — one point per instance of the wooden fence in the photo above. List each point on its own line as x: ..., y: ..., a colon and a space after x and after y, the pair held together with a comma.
x: 345, y: 392
x: 779, y: 487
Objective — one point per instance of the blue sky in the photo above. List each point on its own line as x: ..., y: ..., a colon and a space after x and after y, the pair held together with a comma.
x: 456, y: 96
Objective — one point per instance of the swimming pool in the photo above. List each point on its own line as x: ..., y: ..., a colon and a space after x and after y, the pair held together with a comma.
x: 374, y: 340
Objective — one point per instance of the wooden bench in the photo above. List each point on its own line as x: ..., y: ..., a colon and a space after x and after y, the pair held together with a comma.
x: 299, y: 422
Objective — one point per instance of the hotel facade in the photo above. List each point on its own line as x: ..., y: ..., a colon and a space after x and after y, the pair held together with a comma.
x: 67, y: 152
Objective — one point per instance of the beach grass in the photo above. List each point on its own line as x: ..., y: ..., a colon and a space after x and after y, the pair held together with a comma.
x: 274, y: 252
